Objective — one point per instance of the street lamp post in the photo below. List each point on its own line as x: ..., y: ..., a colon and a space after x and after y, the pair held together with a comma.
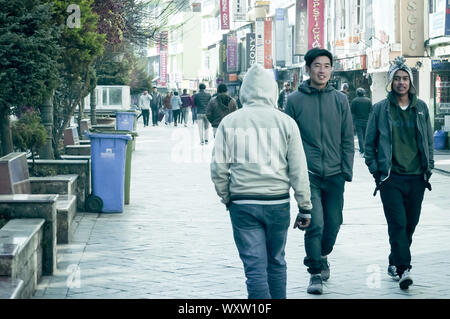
x: 47, y: 120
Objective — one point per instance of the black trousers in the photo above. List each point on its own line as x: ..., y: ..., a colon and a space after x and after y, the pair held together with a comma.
x: 145, y: 116
x: 176, y: 116
x: 402, y: 198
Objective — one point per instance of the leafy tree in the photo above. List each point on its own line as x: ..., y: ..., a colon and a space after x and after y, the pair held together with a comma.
x: 82, y: 45
x: 28, y: 53
x: 28, y: 133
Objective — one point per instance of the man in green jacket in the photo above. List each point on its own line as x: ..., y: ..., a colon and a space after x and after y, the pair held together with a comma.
x: 325, y: 122
x: 399, y: 154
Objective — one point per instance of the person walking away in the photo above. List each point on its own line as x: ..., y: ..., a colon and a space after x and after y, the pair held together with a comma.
x: 201, y: 100
x: 168, y: 108
x: 399, y: 155
x: 175, y: 102
x: 325, y: 122
x: 255, y: 186
x: 144, y: 104
x: 219, y: 107
x: 193, y: 108
x: 282, y: 98
x: 155, y: 105
x: 360, y: 108
x: 185, y: 107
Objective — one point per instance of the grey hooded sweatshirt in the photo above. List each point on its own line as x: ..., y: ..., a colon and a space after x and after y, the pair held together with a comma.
x: 258, y: 153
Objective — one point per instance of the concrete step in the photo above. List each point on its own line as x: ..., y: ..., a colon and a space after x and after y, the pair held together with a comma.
x: 66, y: 207
x: 58, y: 184
x: 11, y: 288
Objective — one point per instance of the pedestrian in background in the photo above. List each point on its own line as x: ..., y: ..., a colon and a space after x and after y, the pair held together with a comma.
x: 155, y: 104
x: 325, y: 122
x: 168, y: 108
x: 193, y: 108
x: 201, y: 100
x: 185, y: 107
x: 220, y: 106
x: 399, y: 154
x: 256, y: 191
x: 360, y: 108
x: 282, y: 98
x: 176, y: 103
x: 144, y: 104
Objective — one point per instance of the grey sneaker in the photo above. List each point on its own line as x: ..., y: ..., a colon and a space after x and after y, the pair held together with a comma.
x: 405, y: 280
x: 315, y: 285
x: 325, y: 269
x: 392, y: 271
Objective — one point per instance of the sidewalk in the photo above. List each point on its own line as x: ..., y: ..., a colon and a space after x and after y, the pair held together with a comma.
x: 175, y: 240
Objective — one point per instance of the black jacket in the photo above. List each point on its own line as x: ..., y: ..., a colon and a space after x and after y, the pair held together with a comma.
x: 201, y: 100
x: 325, y: 123
x: 378, y: 142
x: 360, y: 108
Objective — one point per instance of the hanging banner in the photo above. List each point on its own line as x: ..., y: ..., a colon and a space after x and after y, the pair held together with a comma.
x: 412, y: 24
x: 240, y: 10
x: 289, y: 48
x: 163, y: 58
x: 280, y: 37
x: 268, y: 58
x: 259, y: 31
x: 251, y: 49
x: 316, y: 9
x: 232, y: 54
x: 301, y: 27
x: 224, y: 15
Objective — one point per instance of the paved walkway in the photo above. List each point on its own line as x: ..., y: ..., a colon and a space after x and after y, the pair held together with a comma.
x: 175, y: 241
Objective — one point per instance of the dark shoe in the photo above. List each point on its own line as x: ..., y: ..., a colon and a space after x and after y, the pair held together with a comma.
x: 325, y: 269
x: 405, y: 280
x: 315, y: 285
x: 392, y: 272
x: 206, y: 141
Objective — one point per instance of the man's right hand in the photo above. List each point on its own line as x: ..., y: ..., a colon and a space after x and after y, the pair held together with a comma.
x: 302, y: 223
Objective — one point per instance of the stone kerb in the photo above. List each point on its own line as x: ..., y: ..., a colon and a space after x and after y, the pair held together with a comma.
x: 35, y: 206
x: 64, y: 167
x: 21, y: 254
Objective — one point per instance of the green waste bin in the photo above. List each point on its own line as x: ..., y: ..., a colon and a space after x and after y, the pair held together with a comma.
x: 129, y: 152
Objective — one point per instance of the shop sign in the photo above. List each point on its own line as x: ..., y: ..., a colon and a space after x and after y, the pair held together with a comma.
x: 316, y: 23
x: 232, y: 56
x: 240, y: 10
x: 259, y: 30
x: 440, y: 65
x: 301, y: 27
x: 280, y: 38
x: 412, y: 26
x: 224, y: 15
x: 251, y: 49
x: 268, y: 59
x: 163, y: 59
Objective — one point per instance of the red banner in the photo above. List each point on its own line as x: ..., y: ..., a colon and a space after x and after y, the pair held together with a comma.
x: 225, y: 14
x: 268, y: 59
x: 316, y: 23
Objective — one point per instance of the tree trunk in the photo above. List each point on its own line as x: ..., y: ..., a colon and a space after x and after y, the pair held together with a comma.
x: 93, y: 108
x: 5, y: 133
x: 46, y: 152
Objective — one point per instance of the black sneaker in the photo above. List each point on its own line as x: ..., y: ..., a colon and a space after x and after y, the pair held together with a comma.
x: 325, y: 269
x: 392, y: 272
x: 405, y: 280
x: 206, y: 141
x: 315, y: 285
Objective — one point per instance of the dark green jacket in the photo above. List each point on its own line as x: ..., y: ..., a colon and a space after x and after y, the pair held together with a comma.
x: 325, y: 123
x: 378, y: 142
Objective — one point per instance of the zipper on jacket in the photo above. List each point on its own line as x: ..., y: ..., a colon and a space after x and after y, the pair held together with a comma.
x: 322, y: 174
x: 389, y: 119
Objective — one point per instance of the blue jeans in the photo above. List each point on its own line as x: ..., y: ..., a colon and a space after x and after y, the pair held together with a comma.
x: 194, y: 114
x: 260, y: 233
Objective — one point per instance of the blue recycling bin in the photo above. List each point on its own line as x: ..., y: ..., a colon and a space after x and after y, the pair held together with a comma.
x: 108, y: 155
x: 125, y: 121
x: 439, y: 140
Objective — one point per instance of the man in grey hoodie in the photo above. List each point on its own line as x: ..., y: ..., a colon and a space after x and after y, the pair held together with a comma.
x: 325, y: 122
x: 257, y: 157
